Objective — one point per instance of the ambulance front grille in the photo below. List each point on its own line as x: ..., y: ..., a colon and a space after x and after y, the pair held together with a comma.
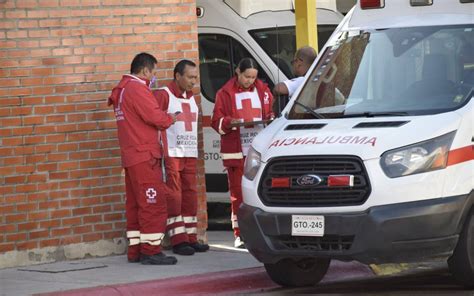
x: 314, y: 196
x: 329, y: 243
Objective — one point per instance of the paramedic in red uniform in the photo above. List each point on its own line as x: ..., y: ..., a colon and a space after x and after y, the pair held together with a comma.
x: 244, y: 98
x: 181, y: 151
x: 139, y: 120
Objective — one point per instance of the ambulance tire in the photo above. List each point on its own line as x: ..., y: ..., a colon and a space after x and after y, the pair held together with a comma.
x: 461, y: 263
x: 298, y: 272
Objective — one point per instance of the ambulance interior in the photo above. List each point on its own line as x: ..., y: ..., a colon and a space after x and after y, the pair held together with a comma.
x: 402, y: 71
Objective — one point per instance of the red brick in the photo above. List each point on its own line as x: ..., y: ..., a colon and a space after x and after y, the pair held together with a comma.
x: 49, y: 223
x: 38, y: 234
x: 70, y: 203
x: 49, y: 243
x: 28, y: 207
x: 9, y: 228
x: 71, y: 239
x: 59, y: 232
x: 38, y: 216
x: 82, y: 229
x: 92, y: 219
x: 21, y: 246
x: 48, y: 205
x: 92, y: 237
x: 60, y: 213
x: 16, y: 237
x: 103, y: 227
x: 7, y: 247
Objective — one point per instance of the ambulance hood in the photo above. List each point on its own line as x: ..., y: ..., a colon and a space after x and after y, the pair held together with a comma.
x: 366, y: 138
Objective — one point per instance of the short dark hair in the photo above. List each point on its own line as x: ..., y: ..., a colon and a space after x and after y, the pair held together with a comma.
x: 247, y: 63
x: 307, y: 54
x: 181, y: 65
x: 142, y: 60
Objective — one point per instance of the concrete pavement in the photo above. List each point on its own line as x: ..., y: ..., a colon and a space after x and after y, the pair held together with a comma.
x: 221, y: 270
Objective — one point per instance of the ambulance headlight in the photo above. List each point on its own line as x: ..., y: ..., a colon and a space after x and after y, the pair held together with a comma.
x: 422, y: 157
x: 252, y: 164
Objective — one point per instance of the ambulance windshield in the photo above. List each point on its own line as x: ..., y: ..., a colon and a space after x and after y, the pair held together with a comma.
x: 401, y: 71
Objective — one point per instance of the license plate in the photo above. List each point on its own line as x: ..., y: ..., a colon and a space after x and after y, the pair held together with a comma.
x: 307, y: 225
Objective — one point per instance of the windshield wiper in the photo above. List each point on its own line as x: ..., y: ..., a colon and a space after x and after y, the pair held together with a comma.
x: 375, y: 114
x: 316, y: 115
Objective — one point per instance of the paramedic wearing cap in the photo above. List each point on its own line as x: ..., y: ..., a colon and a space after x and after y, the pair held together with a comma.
x: 139, y: 121
x: 180, y: 144
x: 301, y: 63
x: 243, y: 98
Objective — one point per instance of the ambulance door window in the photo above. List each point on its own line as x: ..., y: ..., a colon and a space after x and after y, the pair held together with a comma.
x: 218, y: 59
x: 214, y: 63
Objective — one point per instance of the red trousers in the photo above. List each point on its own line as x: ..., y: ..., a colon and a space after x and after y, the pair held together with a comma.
x: 181, y: 180
x: 234, y: 176
x: 145, y: 208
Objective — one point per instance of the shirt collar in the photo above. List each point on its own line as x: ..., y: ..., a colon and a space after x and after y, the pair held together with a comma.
x: 174, y: 88
x: 239, y: 88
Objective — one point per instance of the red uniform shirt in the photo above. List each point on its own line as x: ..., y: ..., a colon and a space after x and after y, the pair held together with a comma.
x: 225, y: 110
x: 138, y: 120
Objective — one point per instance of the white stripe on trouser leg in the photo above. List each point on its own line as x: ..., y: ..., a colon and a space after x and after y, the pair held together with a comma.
x: 176, y: 230
x: 153, y: 239
x: 133, y: 241
x: 233, y: 218
x: 174, y: 220
x: 133, y: 233
x: 133, y: 237
x: 191, y: 230
x: 190, y: 219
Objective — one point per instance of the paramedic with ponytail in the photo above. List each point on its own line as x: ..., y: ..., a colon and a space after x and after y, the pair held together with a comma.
x: 180, y: 144
x: 243, y: 99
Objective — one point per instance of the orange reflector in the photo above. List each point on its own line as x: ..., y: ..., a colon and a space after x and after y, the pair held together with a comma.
x: 283, y: 182
x: 341, y: 180
x: 368, y: 4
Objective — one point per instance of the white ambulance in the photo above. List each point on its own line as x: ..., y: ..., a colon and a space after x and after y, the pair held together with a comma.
x: 373, y: 158
x: 230, y: 30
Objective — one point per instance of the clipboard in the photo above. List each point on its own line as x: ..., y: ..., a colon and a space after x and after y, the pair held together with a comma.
x: 250, y: 123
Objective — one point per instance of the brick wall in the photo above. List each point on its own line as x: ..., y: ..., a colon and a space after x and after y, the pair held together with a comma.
x: 60, y: 174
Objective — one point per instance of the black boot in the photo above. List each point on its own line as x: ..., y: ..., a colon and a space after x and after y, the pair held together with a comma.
x: 183, y: 249
x: 157, y: 259
x: 200, y: 247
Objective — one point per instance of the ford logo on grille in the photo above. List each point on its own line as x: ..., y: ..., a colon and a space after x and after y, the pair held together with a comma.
x: 308, y: 180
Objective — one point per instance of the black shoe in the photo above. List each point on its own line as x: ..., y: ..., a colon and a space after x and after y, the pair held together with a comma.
x: 183, y: 249
x: 134, y: 260
x: 200, y: 247
x: 157, y: 259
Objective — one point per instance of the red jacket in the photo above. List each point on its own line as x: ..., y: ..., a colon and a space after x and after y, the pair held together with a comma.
x: 225, y: 110
x: 138, y: 120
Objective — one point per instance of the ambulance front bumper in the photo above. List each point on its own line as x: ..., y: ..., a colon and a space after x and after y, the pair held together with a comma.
x: 405, y: 232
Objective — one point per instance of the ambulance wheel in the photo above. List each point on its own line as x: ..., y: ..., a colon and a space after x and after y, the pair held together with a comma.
x: 461, y: 263
x: 298, y: 272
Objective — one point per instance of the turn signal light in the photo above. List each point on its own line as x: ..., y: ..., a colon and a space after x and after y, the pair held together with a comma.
x: 369, y: 4
x: 341, y: 180
x: 199, y: 11
x: 283, y: 182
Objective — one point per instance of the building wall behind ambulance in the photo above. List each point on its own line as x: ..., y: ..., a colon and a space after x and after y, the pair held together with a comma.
x: 62, y: 190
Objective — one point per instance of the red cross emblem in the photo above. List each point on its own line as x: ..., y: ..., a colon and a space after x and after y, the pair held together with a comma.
x: 247, y: 113
x: 187, y: 117
x: 150, y: 193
